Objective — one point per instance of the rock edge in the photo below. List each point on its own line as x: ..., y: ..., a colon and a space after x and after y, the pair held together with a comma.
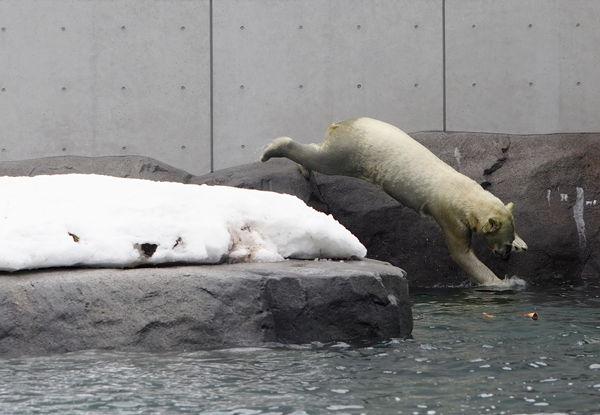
x: 205, y: 306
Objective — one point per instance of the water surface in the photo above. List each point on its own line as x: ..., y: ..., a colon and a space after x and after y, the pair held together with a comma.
x: 473, y: 351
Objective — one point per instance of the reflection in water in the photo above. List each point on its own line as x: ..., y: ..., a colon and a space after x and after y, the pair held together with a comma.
x: 473, y: 351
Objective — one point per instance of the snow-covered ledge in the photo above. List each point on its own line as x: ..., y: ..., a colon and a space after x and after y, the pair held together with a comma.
x: 190, y: 307
x: 75, y: 220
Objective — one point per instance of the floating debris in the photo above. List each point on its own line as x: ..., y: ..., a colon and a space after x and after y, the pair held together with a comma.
x: 534, y: 316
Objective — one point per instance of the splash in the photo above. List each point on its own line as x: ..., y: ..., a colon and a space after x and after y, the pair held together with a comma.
x: 508, y: 282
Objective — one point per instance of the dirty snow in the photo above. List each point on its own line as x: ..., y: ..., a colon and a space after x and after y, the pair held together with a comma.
x: 93, y: 220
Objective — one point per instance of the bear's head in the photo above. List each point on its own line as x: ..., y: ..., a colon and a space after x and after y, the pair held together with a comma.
x: 500, y: 235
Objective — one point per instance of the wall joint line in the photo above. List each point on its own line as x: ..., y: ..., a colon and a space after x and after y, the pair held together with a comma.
x: 444, y: 64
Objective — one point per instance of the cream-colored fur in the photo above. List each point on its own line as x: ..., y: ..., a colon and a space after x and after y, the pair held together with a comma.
x: 387, y: 157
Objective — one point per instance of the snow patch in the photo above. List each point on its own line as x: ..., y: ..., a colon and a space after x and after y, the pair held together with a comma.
x: 93, y: 220
x: 458, y: 157
x: 578, y: 216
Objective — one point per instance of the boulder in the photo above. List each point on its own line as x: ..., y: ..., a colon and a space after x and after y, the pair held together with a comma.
x: 192, y: 307
x: 136, y: 167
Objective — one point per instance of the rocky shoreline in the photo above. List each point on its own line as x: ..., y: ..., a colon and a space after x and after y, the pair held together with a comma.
x: 197, y: 307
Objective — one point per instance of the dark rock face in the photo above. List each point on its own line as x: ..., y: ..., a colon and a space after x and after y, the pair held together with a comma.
x: 540, y: 174
x: 192, y: 307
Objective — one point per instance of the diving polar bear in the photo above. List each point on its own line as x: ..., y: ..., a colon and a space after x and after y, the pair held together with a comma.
x: 387, y: 157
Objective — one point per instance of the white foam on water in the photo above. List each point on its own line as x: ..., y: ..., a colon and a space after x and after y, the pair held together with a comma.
x: 342, y: 407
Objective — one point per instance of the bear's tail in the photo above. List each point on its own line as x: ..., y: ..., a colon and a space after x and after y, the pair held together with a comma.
x: 332, y: 127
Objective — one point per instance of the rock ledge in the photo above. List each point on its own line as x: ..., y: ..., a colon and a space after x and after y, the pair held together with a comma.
x: 206, y: 306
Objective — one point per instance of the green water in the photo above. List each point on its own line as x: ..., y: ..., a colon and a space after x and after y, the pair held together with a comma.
x: 460, y: 360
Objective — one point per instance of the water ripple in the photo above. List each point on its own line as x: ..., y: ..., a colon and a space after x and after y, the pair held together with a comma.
x: 459, y: 360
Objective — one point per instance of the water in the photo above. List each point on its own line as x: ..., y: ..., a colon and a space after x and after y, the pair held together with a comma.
x: 460, y: 360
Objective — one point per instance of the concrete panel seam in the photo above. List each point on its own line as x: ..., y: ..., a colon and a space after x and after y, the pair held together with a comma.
x: 444, y: 65
x: 211, y: 93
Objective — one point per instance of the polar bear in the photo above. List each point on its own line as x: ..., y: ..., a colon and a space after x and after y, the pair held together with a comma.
x: 386, y: 156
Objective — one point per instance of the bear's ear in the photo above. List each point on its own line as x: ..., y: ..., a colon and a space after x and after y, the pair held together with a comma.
x: 492, y: 225
x: 510, y: 206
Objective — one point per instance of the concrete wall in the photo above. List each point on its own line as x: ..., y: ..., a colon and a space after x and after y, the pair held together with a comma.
x: 204, y: 84
x: 523, y: 66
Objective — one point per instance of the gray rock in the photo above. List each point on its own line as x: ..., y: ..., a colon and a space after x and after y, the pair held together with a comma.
x: 135, y: 167
x: 278, y: 175
x: 192, y: 307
